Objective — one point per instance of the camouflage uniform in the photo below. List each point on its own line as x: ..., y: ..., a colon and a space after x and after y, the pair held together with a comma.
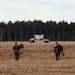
x: 57, y: 50
x: 16, y: 51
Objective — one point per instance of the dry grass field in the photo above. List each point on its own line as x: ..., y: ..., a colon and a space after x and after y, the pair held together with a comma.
x: 37, y: 59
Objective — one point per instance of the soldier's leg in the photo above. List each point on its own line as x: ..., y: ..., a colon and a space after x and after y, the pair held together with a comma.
x: 18, y: 55
x: 15, y: 54
x: 56, y: 56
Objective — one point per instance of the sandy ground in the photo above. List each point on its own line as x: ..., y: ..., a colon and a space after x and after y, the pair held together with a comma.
x: 37, y: 59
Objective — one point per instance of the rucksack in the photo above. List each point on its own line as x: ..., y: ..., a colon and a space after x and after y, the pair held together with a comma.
x: 58, y: 48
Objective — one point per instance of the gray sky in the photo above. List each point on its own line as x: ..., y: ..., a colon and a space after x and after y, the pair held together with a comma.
x: 45, y: 10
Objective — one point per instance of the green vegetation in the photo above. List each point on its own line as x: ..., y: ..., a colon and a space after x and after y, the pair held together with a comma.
x: 24, y: 30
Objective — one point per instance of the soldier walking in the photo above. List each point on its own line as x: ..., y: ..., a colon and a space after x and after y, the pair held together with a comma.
x: 16, y: 51
x: 57, y: 50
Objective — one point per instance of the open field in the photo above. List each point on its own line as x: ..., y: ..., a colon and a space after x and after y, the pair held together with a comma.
x: 37, y: 59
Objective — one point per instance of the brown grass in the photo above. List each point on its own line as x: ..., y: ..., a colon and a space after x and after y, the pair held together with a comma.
x: 37, y: 59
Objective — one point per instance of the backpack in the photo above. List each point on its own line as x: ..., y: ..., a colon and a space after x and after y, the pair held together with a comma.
x: 58, y: 48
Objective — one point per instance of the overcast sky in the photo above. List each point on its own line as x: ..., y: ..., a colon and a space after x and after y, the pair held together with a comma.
x: 45, y: 10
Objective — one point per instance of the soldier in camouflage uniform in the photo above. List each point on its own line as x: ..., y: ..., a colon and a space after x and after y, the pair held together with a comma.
x: 57, y: 50
x: 16, y: 51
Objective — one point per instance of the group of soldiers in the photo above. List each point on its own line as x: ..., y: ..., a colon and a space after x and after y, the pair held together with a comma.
x: 58, y: 48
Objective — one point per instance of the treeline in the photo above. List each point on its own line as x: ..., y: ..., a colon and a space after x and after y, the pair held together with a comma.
x: 24, y: 30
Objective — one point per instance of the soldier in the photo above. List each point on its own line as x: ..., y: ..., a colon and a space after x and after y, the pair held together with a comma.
x: 57, y: 50
x: 16, y: 51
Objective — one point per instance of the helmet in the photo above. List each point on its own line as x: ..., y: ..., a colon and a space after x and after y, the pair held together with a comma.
x: 15, y: 42
x: 56, y: 42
